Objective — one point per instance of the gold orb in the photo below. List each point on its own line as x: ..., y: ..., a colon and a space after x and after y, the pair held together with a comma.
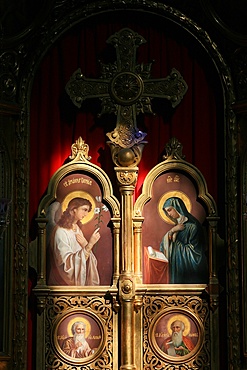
x: 126, y: 157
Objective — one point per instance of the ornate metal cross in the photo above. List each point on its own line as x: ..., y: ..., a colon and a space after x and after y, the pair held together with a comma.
x: 125, y: 88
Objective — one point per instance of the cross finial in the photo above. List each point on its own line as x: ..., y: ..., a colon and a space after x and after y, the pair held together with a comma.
x: 126, y: 88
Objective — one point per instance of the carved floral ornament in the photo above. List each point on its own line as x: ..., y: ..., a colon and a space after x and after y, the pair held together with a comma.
x: 79, y: 150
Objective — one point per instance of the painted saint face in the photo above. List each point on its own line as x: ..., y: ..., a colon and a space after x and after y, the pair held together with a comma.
x: 172, y: 212
x: 80, y: 212
x: 176, y: 327
x: 79, y: 329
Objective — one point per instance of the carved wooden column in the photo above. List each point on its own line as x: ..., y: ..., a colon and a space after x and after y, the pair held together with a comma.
x: 126, y: 160
x: 41, y: 290
x: 41, y: 270
x: 214, y: 291
x: 127, y: 179
x: 138, y: 251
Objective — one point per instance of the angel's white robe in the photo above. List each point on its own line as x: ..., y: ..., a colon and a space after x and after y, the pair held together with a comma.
x: 68, y: 264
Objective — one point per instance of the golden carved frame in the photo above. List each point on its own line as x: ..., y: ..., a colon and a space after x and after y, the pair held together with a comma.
x: 201, y: 300
x: 128, y: 309
x: 56, y: 302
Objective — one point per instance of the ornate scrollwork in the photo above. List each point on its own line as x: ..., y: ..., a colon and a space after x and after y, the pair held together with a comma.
x: 57, y: 306
x: 4, y: 214
x: 9, y: 63
x: 152, y: 307
x: 127, y: 176
x: 125, y: 136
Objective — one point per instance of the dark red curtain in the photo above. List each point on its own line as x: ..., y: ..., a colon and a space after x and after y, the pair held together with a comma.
x: 56, y: 123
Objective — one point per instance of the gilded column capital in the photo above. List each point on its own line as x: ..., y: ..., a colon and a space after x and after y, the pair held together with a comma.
x: 127, y: 176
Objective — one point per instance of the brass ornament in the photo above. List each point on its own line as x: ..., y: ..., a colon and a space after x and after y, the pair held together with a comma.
x: 127, y: 176
x: 126, y: 88
x: 126, y: 136
x: 174, y: 150
x: 126, y: 288
x: 79, y: 150
x: 126, y: 144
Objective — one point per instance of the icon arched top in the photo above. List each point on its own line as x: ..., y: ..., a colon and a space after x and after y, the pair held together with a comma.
x: 79, y: 176
x: 173, y: 168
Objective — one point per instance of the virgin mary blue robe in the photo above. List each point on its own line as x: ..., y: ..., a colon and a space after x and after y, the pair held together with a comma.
x: 186, y: 255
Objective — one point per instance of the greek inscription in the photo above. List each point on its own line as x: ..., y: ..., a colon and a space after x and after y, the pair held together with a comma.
x: 77, y: 180
x: 170, y: 179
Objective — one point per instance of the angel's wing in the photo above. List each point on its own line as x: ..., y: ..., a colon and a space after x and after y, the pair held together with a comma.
x: 54, y: 212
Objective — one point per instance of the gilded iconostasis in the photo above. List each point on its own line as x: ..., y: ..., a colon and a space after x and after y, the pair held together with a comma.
x: 123, y: 185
